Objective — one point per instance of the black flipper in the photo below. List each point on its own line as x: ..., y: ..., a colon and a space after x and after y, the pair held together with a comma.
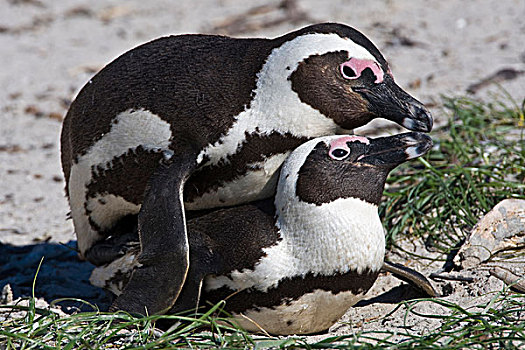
x: 155, y: 285
x: 410, y: 276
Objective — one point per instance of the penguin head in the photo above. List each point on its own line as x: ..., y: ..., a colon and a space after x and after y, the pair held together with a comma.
x: 345, y: 77
x: 328, y: 168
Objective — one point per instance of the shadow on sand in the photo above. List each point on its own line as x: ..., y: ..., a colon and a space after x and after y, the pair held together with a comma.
x: 62, y: 274
x: 395, y: 295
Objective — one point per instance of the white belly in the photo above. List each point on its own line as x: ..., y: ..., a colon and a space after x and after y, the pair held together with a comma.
x: 311, y: 313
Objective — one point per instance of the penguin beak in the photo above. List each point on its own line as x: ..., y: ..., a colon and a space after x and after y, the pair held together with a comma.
x: 391, y: 151
x: 387, y: 100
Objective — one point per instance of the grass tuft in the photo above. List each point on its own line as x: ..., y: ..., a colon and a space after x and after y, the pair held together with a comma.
x: 498, y: 323
x: 478, y: 159
x: 94, y: 330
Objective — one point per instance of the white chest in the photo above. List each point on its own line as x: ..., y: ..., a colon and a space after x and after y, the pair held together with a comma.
x: 332, y: 238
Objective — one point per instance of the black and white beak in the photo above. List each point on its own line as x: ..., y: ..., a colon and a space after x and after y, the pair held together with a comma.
x: 391, y: 151
x: 387, y: 100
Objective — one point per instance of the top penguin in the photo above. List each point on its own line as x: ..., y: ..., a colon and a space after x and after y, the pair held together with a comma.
x: 203, y: 121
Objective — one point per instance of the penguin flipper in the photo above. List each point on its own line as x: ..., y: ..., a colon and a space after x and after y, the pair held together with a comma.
x: 410, y: 276
x: 164, y: 258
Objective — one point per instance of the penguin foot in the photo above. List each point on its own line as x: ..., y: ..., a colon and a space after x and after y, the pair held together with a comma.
x: 112, y: 248
x: 150, y: 290
x: 410, y: 276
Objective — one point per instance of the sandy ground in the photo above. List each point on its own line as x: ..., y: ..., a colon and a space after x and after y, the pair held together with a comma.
x: 49, y: 49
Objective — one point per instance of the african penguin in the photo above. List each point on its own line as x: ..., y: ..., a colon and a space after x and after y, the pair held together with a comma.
x: 193, y: 122
x: 295, y: 263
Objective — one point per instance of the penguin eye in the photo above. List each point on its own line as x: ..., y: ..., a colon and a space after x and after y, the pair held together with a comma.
x: 348, y: 72
x: 339, y: 153
x: 354, y: 68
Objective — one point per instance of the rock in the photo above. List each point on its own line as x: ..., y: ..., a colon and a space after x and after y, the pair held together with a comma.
x: 6, y: 296
x: 509, y: 278
x: 501, y: 228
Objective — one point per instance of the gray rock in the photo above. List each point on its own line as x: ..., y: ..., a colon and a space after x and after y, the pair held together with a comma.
x: 500, y: 229
x: 6, y: 296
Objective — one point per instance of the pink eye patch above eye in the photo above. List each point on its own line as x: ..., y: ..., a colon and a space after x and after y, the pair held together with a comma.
x: 341, y: 143
x: 358, y: 65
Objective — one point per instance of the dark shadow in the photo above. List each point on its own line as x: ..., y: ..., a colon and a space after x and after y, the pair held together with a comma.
x: 62, y: 275
x: 394, y: 296
x: 449, y: 262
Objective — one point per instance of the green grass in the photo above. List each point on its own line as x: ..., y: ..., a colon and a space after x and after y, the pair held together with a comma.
x: 498, y: 323
x: 42, y: 329
x: 478, y: 159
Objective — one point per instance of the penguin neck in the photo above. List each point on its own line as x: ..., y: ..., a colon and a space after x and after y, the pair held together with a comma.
x: 275, y: 106
x: 335, y: 237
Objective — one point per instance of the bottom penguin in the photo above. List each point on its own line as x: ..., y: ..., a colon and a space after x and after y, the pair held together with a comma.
x: 295, y: 263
